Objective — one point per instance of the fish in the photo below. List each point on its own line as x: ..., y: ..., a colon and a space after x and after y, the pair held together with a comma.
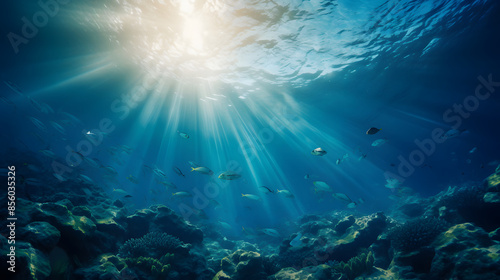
x: 37, y: 105
x: 183, y: 135
x: 373, y: 130
x: 307, y: 176
x: 318, y: 152
x: 202, y: 170
x: 110, y: 170
x: 46, y: 108
x: 268, y: 189
x: 452, y: 133
x: 352, y: 205
x: 126, y: 149
x: 87, y: 179
x: 296, y: 242
x: 58, y: 127
x: 379, y: 142
x: 159, y: 173
x: 250, y: 196
x: 38, y: 123
x: 271, y: 232
x: 92, y: 162
x: 33, y: 181
x: 473, y: 150
x: 229, y: 175
x: 7, y: 101
x: 182, y: 194
x: 120, y: 192
x: 59, y: 177
x: 225, y: 225
x: 178, y: 171
x: 340, y: 160
x: 132, y: 179
x: 48, y: 153
x: 14, y: 87
x: 286, y: 193
x: 322, y: 186
x: 342, y: 196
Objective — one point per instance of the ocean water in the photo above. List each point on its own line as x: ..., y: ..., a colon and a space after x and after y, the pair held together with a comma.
x: 114, y: 95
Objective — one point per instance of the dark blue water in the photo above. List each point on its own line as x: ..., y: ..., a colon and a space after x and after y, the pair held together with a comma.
x: 256, y: 88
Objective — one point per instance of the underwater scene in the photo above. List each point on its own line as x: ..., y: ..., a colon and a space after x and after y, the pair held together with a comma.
x: 250, y: 139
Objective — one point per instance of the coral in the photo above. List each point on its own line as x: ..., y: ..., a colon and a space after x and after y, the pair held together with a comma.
x: 153, y: 244
x: 416, y: 233
x: 157, y: 268
x: 344, y: 224
x: 242, y: 265
x: 356, y: 266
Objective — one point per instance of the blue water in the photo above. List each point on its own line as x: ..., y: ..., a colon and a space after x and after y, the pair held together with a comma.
x: 257, y: 85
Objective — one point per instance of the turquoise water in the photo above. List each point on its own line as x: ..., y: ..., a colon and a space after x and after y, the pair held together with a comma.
x: 257, y: 85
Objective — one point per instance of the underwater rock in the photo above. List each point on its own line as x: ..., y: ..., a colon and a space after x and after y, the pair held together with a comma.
x: 320, y: 272
x: 420, y: 260
x: 71, y: 227
x: 31, y: 263
x: 313, y: 227
x: 495, y: 235
x: 492, y: 198
x: 82, y: 211
x: 41, y: 235
x: 370, y: 227
x: 242, y: 265
x: 168, y: 221
x: 412, y: 210
x: 382, y: 252
x: 465, y: 251
x: 344, y: 224
x: 109, y: 226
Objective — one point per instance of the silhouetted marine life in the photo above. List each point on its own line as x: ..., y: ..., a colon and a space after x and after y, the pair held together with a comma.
x: 372, y: 130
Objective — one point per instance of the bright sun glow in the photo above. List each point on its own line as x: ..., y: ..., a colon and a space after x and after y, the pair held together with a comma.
x: 193, y: 35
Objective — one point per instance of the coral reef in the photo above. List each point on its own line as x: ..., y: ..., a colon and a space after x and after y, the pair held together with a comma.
x: 153, y: 244
x: 416, y: 233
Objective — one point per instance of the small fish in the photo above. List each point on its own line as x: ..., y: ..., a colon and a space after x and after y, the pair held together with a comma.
x: 182, y: 194
x: 59, y: 177
x: 452, y: 133
x: 46, y: 108
x: 322, y: 186
x: 340, y: 160
x: 373, y: 130
x: 286, y: 193
x: 110, y: 170
x: 38, y: 123
x: 126, y: 149
x: 229, y: 175
x: 92, y: 162
x: 271, y: 232
x: 183, y: 135
x: 250, y: 196
x: 87, y: 179
x: 362, y: 156
x: 127, y: 196
x: 48, y: 153
x: 132, y: 179
x: 473, y: 150
x: 193, y: 164
x: 160, y: 173
x: 120, y: 192
x: 178, y: 171
x: 202, y: 170
x: 307, y: 176
x: 342, y: 196
x: 352, y: 205
x: 7, y: 101
x: 296, y: 242
x: 37, y: 105
x: 13, y: 87
x: 33, y: 181
x: 268, y: 190
x: 318, y: 152
x: 58, y: 127
x: 379, y: 142
x: 225, y: 225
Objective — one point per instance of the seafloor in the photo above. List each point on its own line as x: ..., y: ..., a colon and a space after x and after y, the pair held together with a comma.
x: 65, y: 230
